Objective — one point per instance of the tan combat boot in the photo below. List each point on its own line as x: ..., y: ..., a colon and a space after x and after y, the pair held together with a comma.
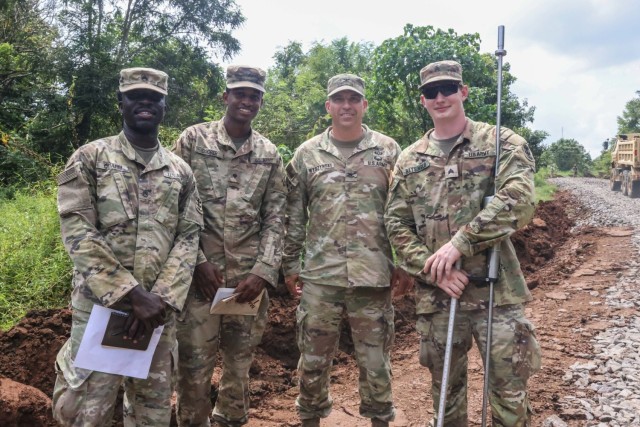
x: 375, y: 422
x: 311, y: 422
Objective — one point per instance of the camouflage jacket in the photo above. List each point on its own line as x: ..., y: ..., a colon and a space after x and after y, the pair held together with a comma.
x: 335, y: 210
x: 435, y: 199
x: 124, y: 224
x: 243, y: 198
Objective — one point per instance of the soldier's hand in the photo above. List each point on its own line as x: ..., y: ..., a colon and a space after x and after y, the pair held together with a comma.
x: 250, y: 288
x: 440, y: 264
x: 455, y: 283
x: 294, y: 285
x: 148, y: 312
x: 401, y: 282
x: 207, y: 278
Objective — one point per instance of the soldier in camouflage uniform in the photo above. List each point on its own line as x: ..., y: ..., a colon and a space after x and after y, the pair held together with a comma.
x: 435, y: 216
x: 130, y: 219
x: 338, y: 183
x: 240, y: 177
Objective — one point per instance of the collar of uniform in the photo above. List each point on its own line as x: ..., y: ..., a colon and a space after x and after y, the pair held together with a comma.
x: 157, y: 162
x: 425, y: 147
x: 367, y: 142
x: 127, y: 148
x: 160, y: 160
x: 225, y: 139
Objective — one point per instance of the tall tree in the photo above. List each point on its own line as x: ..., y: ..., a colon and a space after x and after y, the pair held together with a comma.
x: 629, y: 122
x: 102, y: 37
x: 397, y: 63
x: 296, y: 87
x: 28, y: 92
x: 566, y: 153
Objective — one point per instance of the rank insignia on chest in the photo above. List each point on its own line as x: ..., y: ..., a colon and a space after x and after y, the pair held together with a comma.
x: 451, y: 171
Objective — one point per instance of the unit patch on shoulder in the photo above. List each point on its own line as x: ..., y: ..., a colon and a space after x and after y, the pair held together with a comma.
x: 527, y: 153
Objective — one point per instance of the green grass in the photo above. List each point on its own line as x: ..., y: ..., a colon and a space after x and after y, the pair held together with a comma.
x: 35, y: 271
x: 544, y: 190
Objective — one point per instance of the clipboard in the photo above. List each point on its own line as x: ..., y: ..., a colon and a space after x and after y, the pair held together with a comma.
x: 225, y: 303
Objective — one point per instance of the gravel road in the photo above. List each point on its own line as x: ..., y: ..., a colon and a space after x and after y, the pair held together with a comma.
x: 614, y: 370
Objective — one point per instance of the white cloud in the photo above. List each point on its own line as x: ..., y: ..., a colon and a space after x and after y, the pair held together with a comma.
x: 576, y: 60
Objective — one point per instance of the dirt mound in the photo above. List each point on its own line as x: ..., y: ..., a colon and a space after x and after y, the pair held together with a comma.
x: 22, y: 405
x: 536, y: 243
x: 28, y: 350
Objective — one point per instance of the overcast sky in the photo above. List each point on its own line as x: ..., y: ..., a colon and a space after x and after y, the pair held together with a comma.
x: 576, y: 61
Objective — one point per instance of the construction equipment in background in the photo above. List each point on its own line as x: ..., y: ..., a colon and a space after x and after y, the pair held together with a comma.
x: 625, y: 165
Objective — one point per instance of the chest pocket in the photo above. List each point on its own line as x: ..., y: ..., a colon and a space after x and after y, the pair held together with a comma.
x: 167, y: 213
x: 376, y: 171
x: 114, y: 202
x: 477, y: 168
x: 255, y: 187
x: 426, y: 187
x: 210, y: 168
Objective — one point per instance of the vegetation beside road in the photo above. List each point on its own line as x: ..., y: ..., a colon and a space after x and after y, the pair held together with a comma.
x: 35, y: 271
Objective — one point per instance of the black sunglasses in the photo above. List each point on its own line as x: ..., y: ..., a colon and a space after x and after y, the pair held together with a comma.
x: 446, y: 90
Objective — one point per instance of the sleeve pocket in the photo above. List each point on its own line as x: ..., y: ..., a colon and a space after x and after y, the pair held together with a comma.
x: 73, y: 192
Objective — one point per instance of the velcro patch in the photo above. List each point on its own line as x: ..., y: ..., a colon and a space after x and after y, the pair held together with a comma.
x: 66, y: 176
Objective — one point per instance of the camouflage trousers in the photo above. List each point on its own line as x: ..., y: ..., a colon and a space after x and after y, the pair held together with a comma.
x: 200, y: 336
x: 515, y: 356
x: 87, y: 398
x: 370, y: 315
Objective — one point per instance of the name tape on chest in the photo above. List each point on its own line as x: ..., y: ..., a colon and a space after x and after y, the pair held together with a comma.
x: 207, y: 151
x: 112, y: 166
x: 376, y: 163
x: 417, y: 168
x: 478, y: 154
x: 172, y: 175
x: 263, y: 160
x: 320, y: 167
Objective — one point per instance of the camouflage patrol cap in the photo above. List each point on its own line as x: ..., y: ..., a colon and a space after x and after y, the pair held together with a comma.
x: 245, y: 76
x: 342, y: 82
x: 143, y: 78
x: 441, y: 71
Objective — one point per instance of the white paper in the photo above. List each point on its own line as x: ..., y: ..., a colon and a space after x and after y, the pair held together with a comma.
x: 94, y: 356
x: 222, y: 293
